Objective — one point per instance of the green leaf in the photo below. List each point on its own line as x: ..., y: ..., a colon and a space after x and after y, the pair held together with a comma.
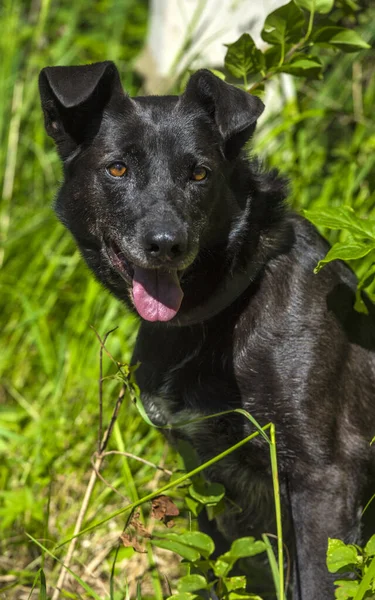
x: 195, y: 541
x: 367, y: 581
x: 243, y: 57
x: 222, y: 566
x: 218, y: 74
x: 205, y: 492
x: 258, y: 91
x: 242, y: 596
x: 240, y: 548
x: 193, y: 505
x: 340, y: 556
x: 370, y: 546
x: 302, y: 66
x: 318, y: 6
x: 203, y: 566
x: 273, y: 56
x: 213, y: 510
x: 234, y: 583
x: 43, y: 586
x: 141, y: 409
x: 284, y: 25
x: 201, y: 541
x: 246, y: 546
x: 192, y: 583
x: 347, y: 589
x: 187, y: 552
x: 359, y: 304
x: 349, y: 41
x: 349, y: 250
x: 344, y: 39
x: 273, y: 563
x: 342, y: 217
x: 183, y: 596
x: 367, y: 278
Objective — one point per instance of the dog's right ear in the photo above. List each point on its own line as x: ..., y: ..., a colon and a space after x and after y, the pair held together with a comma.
x: 73, y: 100
x: 234, y: 111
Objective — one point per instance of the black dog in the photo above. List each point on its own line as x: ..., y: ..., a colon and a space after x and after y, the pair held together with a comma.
x: 175, y: 220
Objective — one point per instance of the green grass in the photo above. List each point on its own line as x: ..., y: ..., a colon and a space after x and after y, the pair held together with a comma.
x: 49, y: 362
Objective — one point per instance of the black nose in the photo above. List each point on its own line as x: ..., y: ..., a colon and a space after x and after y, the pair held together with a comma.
x: 165, y: 245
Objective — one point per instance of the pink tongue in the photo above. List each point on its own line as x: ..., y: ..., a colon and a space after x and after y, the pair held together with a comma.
x: 157, y: 294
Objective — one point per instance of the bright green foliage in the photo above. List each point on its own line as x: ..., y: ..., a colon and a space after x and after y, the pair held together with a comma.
x: 359, y: 242
x: 294, y: 42
x: 192, y: 583
x: 240, y: 548
x: 343, y: 39
x: 197, y: 542
x: 243, y: 57
x: 284, y: 26
x: 342, y: 558
x: 350, y: 250
x: 184, y: 596
x: 317, y: 6
x: 302, y: 65
x: 206, y: 493
x: 292, y: 36
x: 186, y: 543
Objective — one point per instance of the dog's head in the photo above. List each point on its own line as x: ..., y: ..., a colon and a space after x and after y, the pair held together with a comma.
x: 148, y: 181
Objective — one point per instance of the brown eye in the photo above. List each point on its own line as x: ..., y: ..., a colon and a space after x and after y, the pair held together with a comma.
x: 199, y: 173
x: 117, y: 169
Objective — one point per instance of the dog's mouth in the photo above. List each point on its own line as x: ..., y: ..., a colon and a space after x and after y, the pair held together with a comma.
x: 156, y: 293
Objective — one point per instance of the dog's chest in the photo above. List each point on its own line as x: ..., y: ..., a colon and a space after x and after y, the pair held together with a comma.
x: 186, y: 382
x: 245, y: 473
x: 182, y: 380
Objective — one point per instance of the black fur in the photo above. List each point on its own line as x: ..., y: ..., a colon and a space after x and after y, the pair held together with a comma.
x: 256, y: 328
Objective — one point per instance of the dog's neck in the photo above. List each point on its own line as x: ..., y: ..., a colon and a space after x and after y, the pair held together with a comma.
x: 230, y: 289
x: 237, y: 280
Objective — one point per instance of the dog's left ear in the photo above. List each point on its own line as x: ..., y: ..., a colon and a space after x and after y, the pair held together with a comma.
x: 234, y: 111
x: 73, y: 101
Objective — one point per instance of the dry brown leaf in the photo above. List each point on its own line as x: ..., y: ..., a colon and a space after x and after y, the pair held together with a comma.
x: 163, y: 508
x: 130, y: 541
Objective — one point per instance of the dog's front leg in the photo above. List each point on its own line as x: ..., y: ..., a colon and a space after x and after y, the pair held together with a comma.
x: 324, y: 505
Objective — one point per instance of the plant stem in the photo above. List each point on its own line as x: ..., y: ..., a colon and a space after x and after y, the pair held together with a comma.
x: 102, y: 444
x: 285, y: 57
x: 365, y: 583
x: 78, y: 525
x: 168, y: 486
x: 310, y: 26
x: 276, y: 491
x: 273, y: 563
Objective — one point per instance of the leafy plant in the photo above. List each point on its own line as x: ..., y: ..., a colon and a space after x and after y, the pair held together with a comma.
x: 359, y: 243
x: 197, y: 548
x: 350, y: 558
x: 291, y: 36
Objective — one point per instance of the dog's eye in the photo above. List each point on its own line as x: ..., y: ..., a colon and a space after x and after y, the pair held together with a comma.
x: 199, y: 173
x: 117, y: 169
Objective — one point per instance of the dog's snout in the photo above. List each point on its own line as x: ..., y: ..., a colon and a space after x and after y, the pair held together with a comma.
x: 165, y: 245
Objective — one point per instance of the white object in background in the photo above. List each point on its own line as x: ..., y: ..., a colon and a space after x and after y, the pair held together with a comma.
x: 192, y: 33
